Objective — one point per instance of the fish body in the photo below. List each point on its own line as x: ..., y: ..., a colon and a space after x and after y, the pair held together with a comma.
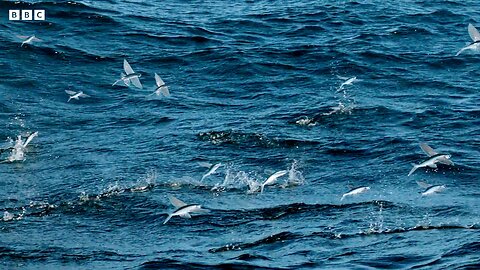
x: 475, y: 36
x: 434, y: 158
x: 28, y: 40
x: 184, y: 210
x: 75, y: 95
x: 430, y: 162
x: 129, y: 76
x: 433, y: 189
x: 271, y: 180
x: 348, y: 82
x: 211, y: 171
x: 161, y: 87
x: 355, y: 191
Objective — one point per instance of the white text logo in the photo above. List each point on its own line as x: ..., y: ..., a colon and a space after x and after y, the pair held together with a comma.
x: 26, y: 15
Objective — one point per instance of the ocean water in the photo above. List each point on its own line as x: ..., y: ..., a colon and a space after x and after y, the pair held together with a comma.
x: 255, y: 86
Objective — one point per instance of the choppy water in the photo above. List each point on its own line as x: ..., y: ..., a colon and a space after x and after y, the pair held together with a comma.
x: 254, y: 86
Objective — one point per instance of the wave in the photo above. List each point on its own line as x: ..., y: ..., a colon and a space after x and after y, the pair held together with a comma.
x: 282, y: 237
x: 64, y: 254
x: 231, y: 137
x: 49, y: 5
x: 84, y: 202
x: 177, y: 264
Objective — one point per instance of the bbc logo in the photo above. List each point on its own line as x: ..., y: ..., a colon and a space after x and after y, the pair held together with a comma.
x: 26, y: 15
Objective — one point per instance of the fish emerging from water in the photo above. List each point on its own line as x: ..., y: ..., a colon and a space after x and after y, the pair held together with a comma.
x: 129, y: 76
x: 355, y: 191
x: 183, y: 209
x: 18, y: 150
x: 28, y: 39
x: 272, y: 179
x: 348, y: 81
x: 212, y: 169
x: 433, y: 159
x: 75, y: 95
x: 430, y: 189
x: 475, y: 35
x: 162, y: 88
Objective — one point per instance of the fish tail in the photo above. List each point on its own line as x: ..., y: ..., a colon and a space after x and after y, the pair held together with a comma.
x: 168, y: 218
x: 459, y: 52
x: 415, y: 167
x: 117, y: 81
x: 261, y: 188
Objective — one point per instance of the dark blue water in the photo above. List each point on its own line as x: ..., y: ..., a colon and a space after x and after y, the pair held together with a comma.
x: 254, y: 85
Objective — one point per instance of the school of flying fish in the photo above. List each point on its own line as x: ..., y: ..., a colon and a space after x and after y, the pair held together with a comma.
x: 130, y: 77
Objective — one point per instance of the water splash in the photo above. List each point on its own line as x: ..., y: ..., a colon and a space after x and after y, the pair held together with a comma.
x: 295, y: 176
x: 112, y: 190
x: 238, y: 179
x: 377, y: 226
x: 7, y: 216
x: 425, y: 222
x: 341, y: 108
x: 145, y: 183
x: 235, y: 180
x: 306, y: 121
x: 179, y: 182
x: 345, y: 105
x: 18, y: 150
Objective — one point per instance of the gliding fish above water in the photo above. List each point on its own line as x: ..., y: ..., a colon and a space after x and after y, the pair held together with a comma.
x: 183, y: 209
x: 475, y: 35
x: 430, y: 189
x: 28, y: 40
x: 348, y: 81
x: 212, y: 169
x: 129, y: 76
x: 161, y: 88
x: 434, y: 158
x: 355, y: 191
x: 75, y: 95
x: 18, y: 150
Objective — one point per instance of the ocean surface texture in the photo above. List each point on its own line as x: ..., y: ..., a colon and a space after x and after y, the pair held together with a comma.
x: 257, y: 87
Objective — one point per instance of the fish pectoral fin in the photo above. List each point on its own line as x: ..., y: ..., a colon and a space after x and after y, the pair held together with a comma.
x: 126, y: 66
x: 136, y: 81
x: 423, y: 184
x: 176, y: 202
x: 427, y: 149
x: 473, y: 32
x: 201, y: 210
x: 158, y: 80
x: 446, y: 161
x: 204, y: 164
x: 433, y: 166
x: 164, y: 90
x: 186, y: 215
